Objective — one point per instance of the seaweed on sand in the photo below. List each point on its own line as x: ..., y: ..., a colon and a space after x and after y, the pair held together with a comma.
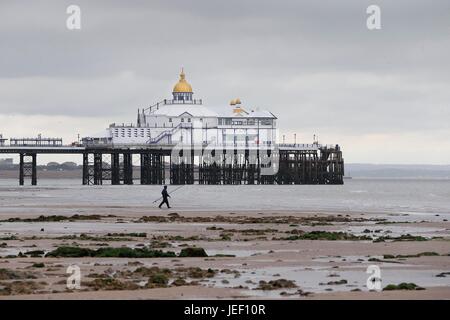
x: 20, y: 287
x: 108, y: 252
x: 110, y: 284
x: 158, y: 280
x: 325, y: 235
x: 417, y: 255
x: 276, y: 284
x: 402, y: 286
x: 443, y: 274
x: 38, y: 265
x: 403, y: 237
x: 131, y: 234
x: 7, y: 274
x: 123, y: 252
x: 57, y: 218
x: 193, y: 252
x: 332, y: 283
x: 35, y: 253
x: 195, y: 272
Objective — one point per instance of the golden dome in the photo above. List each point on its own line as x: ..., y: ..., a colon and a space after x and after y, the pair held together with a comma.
x: 235, y: 102
x: 182, y: 85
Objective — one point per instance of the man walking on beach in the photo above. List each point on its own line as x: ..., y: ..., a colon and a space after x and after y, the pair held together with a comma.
x: 165, y: 194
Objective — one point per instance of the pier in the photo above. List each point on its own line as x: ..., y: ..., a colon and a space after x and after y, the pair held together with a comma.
x: 182, y: 141
x: 217, y: 165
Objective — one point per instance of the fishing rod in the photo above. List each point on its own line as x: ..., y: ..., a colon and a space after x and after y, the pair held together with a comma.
x: 170, y: 192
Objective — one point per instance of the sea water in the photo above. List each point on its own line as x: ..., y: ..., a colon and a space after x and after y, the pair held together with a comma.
x: 395, y: 196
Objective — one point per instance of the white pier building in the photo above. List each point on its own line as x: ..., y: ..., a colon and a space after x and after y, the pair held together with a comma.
x: 185, y: 120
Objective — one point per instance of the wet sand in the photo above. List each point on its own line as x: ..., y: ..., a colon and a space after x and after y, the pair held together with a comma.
x: 243, y: 248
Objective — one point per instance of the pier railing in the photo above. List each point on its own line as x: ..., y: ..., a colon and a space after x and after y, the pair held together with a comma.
x: 35, y: 142
x: 165, y: 102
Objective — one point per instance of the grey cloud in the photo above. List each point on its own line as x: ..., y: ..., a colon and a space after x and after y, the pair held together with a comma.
x: 313, y: 63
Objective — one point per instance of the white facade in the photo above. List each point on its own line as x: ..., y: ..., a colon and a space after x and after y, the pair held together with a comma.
x: 183, y: 120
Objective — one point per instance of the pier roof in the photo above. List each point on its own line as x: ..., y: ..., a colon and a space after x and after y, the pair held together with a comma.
x: 178, y: 110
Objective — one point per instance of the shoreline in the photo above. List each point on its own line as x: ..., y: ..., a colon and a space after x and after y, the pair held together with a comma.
x: 283, y: 242
x: 251, y: 254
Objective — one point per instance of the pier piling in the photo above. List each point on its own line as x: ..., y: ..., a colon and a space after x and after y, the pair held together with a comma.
x: 308, y: 164
x: 27, y: 168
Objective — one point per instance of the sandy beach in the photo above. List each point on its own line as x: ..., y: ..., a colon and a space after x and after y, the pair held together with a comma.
x: 246, y: 254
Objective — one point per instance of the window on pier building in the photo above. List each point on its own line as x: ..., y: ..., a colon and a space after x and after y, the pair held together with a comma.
x: 189, y: 119
x: 182, y: 119
x: 170, y: 119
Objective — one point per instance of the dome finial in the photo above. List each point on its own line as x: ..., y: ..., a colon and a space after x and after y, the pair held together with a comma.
x: 182, y: 86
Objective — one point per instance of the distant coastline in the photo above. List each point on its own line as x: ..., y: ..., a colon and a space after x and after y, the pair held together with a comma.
x: 356, y: 170
x: 68, y: 170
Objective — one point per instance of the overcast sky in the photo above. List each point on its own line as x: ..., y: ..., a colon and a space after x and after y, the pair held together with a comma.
x: 383, y: 95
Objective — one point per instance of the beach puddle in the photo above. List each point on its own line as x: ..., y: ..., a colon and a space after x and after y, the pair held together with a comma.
x: 319, y: 279
x: 396, y: 231
x: 77, y: 227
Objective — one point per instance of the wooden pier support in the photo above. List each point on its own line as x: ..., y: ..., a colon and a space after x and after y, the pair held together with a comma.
x: 208, y: 171
x: 332, y: 165
x: 222, y: 167
x: 325, y: 166
x: 152, y: 168
x: 27, y: 168
x: 127, y: 168
x: 319, y: 165
x: 98, y: 172
x: 87, y: 171
x: 92, y: 169
x: 296, y: 166
x: 115, y: 168
x: 182, y: 167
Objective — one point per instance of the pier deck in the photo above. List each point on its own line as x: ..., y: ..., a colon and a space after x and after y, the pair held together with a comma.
x: 204, y: 164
